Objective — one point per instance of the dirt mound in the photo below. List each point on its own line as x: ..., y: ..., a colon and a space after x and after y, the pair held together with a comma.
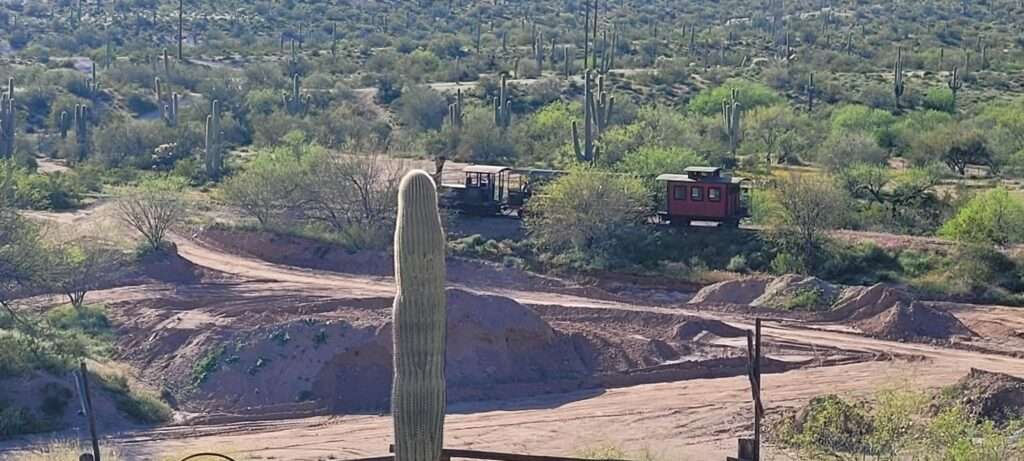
x: 859, y: 303
x: 46, y: 402
x: 994, y: 396
x: 783, y: 291
x: 497, y: 349
x: 740, y: 291
x: 168, y: 266
x: 913, y: 321
x: 691, y: 330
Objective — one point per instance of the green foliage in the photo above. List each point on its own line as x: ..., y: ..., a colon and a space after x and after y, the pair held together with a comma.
x: 89, y: 319
x: 810, y: 299
x: 830, y: 424
x: 778, y: 133
x: 587, y: 212
x: 541, y: 135
x: 845, y: 149
x: 647, y: 162
x: 751, y: 95
x: 807, y: 207
x: 54, y: 191
x: 896, y: 424
x: 18, y: 420
x: 940, y: 99
x: 854, y: 118
x: 207, y: 364
x: 139, y: 405
x: 421, y: 108
x: 993, y: 217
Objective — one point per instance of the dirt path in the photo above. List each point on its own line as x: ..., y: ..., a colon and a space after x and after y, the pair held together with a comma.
x: 697, y: 419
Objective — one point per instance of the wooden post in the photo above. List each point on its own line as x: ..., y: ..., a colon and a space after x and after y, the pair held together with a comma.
x: 758, y: 409
x: 84, y: 376
x: 750, y: 449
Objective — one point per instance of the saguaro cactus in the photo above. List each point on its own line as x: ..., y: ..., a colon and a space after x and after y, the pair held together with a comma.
x: 419, y: 322
x: 295, y: 103
x: 214, y: 154
x: 81, y: 123
x: 811, y: 90
x: 92, y: 84
x: 181, y: 29
x: 597, y: 109
x: 502, y: 106
x: 7, y: 120
x: 898, y: 86
x: 169, y: 112
x: 955, y: 84
x: 731, y: 120
x: 455, y: 111
x: 65, y: 124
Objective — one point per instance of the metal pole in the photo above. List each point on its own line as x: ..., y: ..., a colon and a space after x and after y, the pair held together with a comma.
x: 91, y: 415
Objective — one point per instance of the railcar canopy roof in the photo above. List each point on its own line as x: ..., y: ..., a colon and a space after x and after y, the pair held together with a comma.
x: 702, y: 169
x: 486, y: 169
x: 706, y: 179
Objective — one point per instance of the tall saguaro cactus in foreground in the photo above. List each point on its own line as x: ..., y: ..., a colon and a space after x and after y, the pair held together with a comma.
x: 419, y: 322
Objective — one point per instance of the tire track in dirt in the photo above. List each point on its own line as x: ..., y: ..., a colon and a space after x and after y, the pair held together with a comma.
x: 698, y: 419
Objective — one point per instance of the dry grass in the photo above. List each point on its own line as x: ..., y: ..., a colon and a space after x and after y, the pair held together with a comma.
x: 64, y: 450
x: 69, y: 450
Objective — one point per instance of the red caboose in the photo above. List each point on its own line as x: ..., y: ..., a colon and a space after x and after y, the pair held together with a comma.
x: 704, y: 194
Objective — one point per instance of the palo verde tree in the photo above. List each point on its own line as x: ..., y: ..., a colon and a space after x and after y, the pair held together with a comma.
x: 993, y: 217
x: 586, y: 211
x: 807, y: 206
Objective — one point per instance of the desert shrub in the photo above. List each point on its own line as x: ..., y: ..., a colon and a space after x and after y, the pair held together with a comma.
x: 831, y: 424
x: 750, y: 94
x: 64, y: 450
x: 843, y: 150
x: 421, y: 108
x: 940, y: 99
x: 139, y: 405
x: 738, y: 263
x: 588, y: 213
x: 858, y: 264
x: 992, y: 217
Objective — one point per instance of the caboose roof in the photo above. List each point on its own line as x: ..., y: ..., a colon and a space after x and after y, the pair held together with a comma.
x: 707, y: 179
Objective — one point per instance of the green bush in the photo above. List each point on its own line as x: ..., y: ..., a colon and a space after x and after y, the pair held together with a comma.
x: 750, y: 94
x: 140, y: 406
x: 940, y: 99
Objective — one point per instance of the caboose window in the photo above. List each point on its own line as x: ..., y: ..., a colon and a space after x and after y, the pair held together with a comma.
x: 714, y: 194
x: 679, y: 192
x: 696, y: 193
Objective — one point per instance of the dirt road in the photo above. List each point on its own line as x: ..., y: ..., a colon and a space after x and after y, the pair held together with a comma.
x: 698, y: 419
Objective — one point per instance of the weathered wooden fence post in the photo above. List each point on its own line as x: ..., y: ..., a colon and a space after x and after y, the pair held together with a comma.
x: 83, y: 389
x: 750, y: 449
